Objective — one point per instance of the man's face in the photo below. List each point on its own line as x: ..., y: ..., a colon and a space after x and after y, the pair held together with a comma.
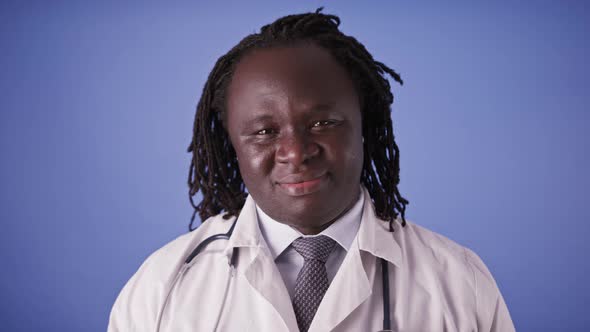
x: 294, y: 120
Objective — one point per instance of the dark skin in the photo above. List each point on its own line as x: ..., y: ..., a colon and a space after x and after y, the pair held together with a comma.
x: 294, y: 120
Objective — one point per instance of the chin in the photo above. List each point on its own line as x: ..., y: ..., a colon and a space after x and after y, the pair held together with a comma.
x: 311, y: 215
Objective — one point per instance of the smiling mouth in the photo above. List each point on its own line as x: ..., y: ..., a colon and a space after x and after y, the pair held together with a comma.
x: 294, y: 186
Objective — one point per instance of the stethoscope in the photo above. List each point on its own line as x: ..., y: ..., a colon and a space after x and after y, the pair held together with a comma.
x: 232, y: 263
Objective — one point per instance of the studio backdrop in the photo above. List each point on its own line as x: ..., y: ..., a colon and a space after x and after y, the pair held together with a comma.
x: 97, y: 102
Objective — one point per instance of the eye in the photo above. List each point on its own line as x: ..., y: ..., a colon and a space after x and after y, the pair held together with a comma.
x: 265, y: 131
x: 323, y: 123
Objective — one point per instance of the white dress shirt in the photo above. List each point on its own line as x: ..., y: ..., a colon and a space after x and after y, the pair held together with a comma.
x: 279, y: 237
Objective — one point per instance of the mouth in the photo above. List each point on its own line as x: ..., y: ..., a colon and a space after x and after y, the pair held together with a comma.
x: 299, y: 185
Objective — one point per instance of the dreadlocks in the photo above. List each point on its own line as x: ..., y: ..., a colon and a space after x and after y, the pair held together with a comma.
x: 214, y: 168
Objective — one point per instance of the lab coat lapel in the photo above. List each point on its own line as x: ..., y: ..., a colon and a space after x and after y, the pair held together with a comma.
x: 347, y: 291
x: 265, y: 278
x: 351, y: 286
x: 261, y: 271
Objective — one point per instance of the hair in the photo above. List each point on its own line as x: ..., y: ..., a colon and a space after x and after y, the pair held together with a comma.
x: 214, y: 167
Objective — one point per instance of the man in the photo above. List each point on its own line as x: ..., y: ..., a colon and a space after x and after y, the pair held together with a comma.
x: 298, y: 116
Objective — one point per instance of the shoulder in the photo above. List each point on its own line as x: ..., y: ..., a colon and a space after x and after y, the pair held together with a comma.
x: 419, y: 243
x: 437, y: 262
x: 138, y: 303
x: 427, y: 249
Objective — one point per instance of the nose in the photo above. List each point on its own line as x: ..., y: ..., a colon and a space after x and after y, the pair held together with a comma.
x: 296, y: 148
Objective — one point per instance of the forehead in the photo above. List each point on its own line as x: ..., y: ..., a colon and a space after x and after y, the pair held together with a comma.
x: 300, y: 74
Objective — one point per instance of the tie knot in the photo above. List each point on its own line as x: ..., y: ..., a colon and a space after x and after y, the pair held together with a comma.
x: 318, y: 247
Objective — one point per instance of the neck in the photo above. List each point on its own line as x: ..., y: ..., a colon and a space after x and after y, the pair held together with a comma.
x: 314, y: 230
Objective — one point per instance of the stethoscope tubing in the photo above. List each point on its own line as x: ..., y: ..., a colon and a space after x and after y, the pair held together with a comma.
x: 232, y: 262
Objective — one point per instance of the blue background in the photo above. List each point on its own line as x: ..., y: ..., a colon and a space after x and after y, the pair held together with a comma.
x: 97, y: 104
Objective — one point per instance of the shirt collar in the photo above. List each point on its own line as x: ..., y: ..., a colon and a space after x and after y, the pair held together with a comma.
x: 373, y: 234
x: 279, y: 236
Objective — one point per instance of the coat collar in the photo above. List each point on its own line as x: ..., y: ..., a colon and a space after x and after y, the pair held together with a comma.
x: 373, y: 234
x: 246, y: 233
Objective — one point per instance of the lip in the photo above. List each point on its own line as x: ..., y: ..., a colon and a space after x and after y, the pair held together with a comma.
x: 301, y: 184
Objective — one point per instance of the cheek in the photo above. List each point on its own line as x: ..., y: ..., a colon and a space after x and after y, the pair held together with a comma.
x: 355, y: 156
x: 254, y: 164
x: 350, y: 152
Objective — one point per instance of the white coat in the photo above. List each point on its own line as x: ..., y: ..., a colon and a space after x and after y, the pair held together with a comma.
x: 435, y: 284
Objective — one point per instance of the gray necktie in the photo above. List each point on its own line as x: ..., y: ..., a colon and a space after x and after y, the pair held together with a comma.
x: 312, y: 281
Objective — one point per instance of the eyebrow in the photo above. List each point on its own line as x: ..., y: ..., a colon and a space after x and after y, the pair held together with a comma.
x: 323, y: 107
x: 257, y: 119
x: 319, y: 108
